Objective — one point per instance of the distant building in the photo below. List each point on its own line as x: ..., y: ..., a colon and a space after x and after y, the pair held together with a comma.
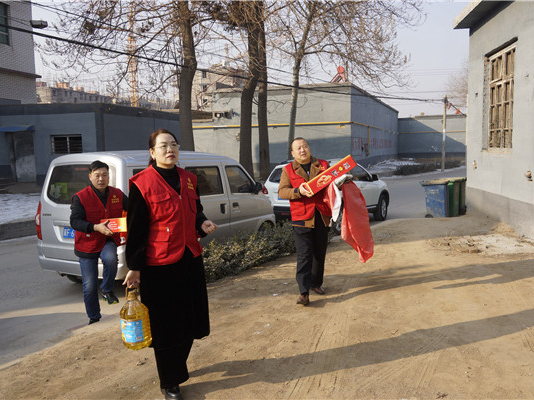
x: 32, y: 135
x: 205, y: 83
x: 500, y: 143
x: 63, y: 93
x: 336, y: 118
x: 422, y: 136
x: 17, y: 62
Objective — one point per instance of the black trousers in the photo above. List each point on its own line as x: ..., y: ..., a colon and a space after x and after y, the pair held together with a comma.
x: 172, y: 363
x: 311, y: 246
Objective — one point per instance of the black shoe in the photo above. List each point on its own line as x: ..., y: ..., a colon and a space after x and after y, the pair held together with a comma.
x: 93, y: 320
x: 110, y: 297
x: 172, y: 393
x: 303, y: 299
x: 319, y: 290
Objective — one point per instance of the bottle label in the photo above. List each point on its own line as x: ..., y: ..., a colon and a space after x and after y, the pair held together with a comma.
x: 132, y: 331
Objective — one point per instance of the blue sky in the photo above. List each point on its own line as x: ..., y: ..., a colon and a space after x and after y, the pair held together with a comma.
x: 437, y: 51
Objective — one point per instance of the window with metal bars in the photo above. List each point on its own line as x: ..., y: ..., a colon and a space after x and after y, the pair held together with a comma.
x: 501, y: 98
x: 66, y: 144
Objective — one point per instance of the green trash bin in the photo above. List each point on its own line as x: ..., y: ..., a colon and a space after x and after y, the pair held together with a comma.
x: 462, y: 208
x: 453, y: 191
x: 461, y: 181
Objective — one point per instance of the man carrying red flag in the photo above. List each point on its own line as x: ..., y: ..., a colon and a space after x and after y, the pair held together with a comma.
x: 310, y: 217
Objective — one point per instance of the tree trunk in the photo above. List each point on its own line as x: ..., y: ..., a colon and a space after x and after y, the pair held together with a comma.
x: 245, y: 131
x: 247, y: 96
x: 312, y: 9
x: 293, y: 111
x: 263, y: 128
x: 186, y: 77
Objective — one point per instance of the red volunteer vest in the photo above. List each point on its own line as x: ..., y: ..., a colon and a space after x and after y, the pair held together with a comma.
x: 304, y: 208
x: 95, y: 212
x: 172, y: 216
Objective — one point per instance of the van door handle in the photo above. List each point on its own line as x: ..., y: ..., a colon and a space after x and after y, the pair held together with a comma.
x: 223, y: 208
x: 236, y: 204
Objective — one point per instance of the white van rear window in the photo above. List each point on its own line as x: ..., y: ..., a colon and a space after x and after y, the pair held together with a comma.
x: 66, y: 181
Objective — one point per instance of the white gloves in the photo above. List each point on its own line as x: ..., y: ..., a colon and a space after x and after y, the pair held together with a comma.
x: 342, y: 179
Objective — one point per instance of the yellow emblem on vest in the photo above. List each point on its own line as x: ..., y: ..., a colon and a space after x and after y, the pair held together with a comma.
x: 190, y: 184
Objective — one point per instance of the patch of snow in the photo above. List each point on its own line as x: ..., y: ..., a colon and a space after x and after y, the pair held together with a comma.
x: 18, y: 207
x: 391, y: 165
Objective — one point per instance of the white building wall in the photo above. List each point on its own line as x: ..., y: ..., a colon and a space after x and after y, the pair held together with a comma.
x: 17, y: 61
x: 496, y: 181
x: 17, y: 89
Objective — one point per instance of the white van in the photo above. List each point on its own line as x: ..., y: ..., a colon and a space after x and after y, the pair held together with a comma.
x: 230, y: 197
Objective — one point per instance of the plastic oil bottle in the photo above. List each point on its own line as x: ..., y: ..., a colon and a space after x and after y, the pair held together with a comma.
x: 135, y: 323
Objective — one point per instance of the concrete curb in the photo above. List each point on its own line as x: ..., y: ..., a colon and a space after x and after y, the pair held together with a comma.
x: 13, y: 230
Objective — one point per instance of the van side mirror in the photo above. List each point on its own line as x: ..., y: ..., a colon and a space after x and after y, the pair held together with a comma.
x: 374, y: 177
x: 258, y: 186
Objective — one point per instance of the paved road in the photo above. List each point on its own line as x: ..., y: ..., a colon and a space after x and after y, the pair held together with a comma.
x: 37, y: 307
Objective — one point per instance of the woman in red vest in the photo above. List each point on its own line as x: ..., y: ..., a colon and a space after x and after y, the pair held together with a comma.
x: 165, y: 221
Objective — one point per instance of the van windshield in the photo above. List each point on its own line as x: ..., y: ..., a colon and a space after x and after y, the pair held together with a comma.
x: 66, y: 181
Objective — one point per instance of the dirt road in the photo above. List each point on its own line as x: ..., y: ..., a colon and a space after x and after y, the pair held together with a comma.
x: 444, y: 309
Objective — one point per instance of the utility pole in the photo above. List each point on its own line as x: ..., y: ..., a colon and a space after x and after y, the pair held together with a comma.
x: 445, y: 102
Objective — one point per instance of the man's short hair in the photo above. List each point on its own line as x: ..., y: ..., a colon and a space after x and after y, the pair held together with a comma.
x: 97, y: 165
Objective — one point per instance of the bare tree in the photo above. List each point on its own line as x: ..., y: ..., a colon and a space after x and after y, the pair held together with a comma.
x: 246, y: 14
x: 158, y: 36
x: 457, y: 86
x: 185, y: 19
x: 248, y: 17
x: 357, y: 34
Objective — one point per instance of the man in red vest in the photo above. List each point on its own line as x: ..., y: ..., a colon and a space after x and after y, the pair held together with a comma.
x: 310, y: 217
x: 90, y: 209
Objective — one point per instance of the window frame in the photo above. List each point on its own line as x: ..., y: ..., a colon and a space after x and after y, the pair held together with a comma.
x: 71, y: 148
x: 500, y: 68
x: 209, y: 179
x: 239, y: 181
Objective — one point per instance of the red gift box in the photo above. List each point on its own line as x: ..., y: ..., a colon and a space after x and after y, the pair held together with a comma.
x: 322, y: 180
x: 116, y: 224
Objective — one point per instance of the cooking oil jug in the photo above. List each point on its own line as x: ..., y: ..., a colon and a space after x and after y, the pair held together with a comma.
x: 135, y: 323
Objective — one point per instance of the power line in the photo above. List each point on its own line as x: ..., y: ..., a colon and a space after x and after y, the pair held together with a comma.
x: 387, y: 97
x: 174, y: 64
x: 66, y: 12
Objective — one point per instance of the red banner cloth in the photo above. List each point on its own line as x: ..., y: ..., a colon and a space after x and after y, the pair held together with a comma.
x: 355, y: 228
